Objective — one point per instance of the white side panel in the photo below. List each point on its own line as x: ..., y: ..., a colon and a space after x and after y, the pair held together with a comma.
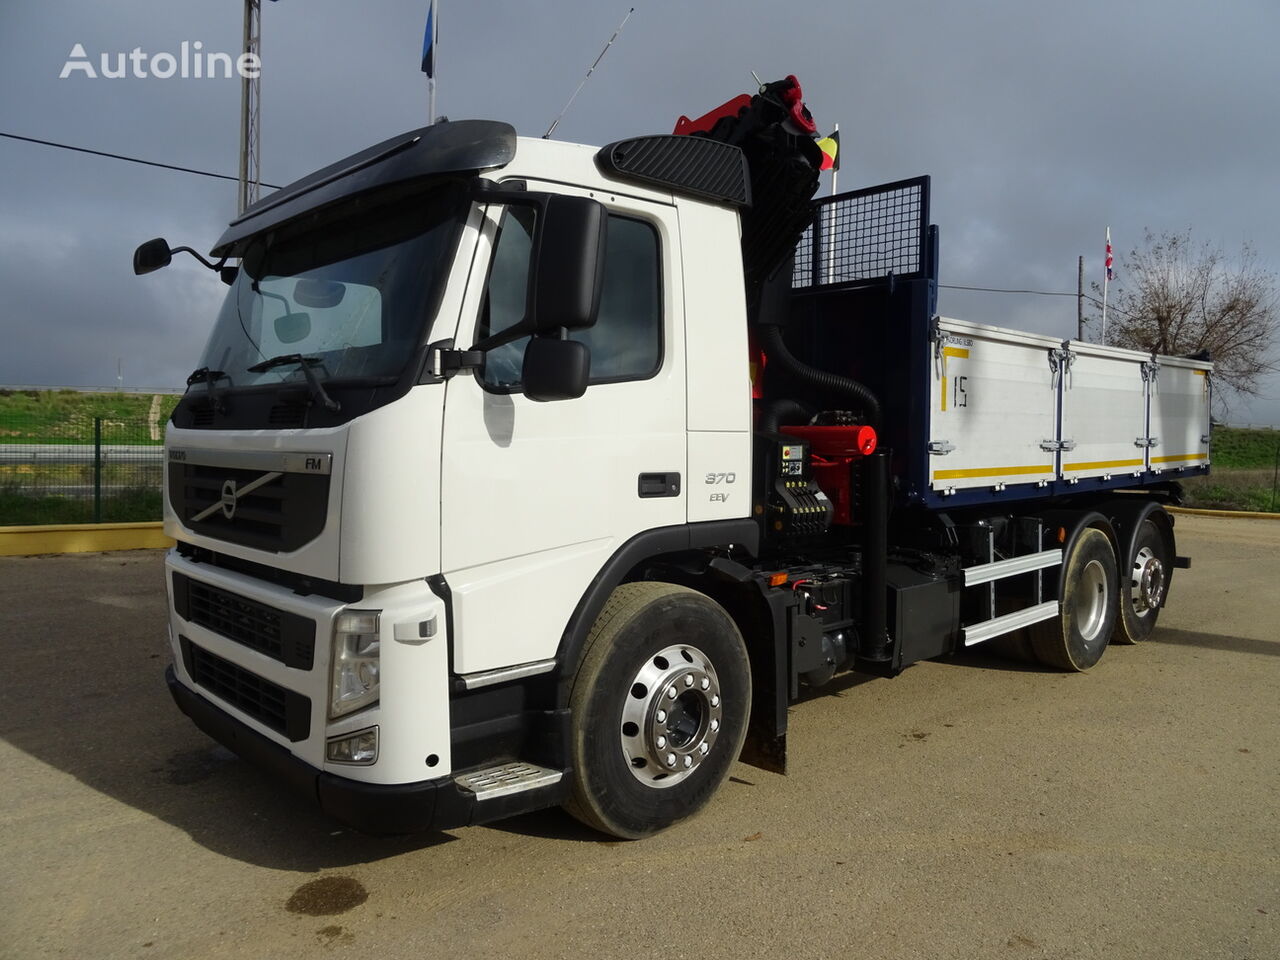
x: 718, y: 372
x: 994, y: 401
x: 391, y: 504
x: 719, y: 486
x: 524, y: 601
x: 1180, y: 406
x: 1104, y: 412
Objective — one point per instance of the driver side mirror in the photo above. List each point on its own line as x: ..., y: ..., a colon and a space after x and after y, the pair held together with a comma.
x: 568, y: 263
x: 151, y: 256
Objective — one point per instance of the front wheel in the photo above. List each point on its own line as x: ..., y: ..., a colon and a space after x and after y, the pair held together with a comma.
x: 1078, y: 636
x: 659, y: 709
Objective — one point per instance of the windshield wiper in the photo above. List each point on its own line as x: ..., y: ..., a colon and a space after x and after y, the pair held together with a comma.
x: 318, y: 391
x: 209, y: 377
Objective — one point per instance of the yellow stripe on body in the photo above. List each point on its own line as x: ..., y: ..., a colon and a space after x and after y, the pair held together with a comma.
x: 1181, y: 456
x: 991, y: 472
x: 1102, y: 464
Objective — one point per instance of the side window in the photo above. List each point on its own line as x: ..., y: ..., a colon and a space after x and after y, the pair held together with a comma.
x: 626, y: 340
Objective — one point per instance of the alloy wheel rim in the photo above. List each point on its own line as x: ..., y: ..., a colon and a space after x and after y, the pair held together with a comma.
x: 672, y: 716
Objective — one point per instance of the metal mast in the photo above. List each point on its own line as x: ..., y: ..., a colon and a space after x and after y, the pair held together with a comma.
x: 250, y: 103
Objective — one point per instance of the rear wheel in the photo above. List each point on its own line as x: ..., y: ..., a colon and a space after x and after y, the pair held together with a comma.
x: 659, y: 707
x: 1143, y: 585
x: 1078, y: 636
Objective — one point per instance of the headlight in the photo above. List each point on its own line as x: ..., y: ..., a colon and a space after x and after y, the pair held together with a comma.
x: 356, y: 655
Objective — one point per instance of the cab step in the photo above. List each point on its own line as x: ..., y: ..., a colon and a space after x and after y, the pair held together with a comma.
x: 506, y: 779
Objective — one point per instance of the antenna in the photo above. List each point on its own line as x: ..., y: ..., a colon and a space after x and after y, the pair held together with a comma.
x: 555, y: 123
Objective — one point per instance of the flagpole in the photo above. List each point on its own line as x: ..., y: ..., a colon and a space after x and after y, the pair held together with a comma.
x: 835, y: 171
x: 435, y: 32
x: 1106, y: 281
x: 831, y: 213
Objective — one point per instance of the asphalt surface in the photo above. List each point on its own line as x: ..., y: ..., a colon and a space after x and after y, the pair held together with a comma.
x: 970, y: 808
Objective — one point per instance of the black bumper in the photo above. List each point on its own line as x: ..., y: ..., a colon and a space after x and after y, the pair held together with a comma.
x: 372, y: 808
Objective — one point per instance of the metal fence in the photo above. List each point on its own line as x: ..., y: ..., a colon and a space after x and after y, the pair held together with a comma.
x: 96, y: 470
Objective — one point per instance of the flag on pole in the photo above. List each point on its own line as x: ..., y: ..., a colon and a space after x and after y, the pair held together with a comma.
x: 1110, y: 260
x: 830, y: 147
x: 429, y: 43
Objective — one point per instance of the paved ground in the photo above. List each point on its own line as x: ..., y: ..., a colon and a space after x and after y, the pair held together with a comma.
x: 967, y: 809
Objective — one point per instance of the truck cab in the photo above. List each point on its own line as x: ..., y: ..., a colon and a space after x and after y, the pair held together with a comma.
x: 358, y: 571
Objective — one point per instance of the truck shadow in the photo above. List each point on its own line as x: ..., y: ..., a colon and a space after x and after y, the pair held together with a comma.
x: 1214, y: 641
x: 84, y: 693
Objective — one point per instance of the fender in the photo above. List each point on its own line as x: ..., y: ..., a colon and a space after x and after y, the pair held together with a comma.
x: 643, y: 546
x: 1075, y: 522
x: 1127, y: 516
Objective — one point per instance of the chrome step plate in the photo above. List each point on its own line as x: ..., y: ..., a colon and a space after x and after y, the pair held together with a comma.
x: 507, y: 778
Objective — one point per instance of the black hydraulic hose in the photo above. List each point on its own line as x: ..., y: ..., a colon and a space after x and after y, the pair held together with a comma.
x: 792, y: 411
x: 776, y: 349
x: 873, y: 640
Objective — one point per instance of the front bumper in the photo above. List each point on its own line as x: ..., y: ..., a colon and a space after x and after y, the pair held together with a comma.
x: 372, y: 808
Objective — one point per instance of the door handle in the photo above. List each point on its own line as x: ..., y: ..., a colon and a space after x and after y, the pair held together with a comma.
x: 659, y: 485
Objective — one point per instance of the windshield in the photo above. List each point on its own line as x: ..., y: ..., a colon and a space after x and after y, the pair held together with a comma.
x: 351, y: 296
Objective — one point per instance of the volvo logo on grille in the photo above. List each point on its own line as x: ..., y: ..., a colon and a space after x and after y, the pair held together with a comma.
x: 231, y: 495
x: 228, y: 501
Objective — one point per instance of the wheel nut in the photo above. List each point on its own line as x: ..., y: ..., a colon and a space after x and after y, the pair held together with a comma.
x: 688, y: 679
x: 715, y: 700
x: 715, y: 725
x: 671, y: 759
x: 688, y: 762
x: 671, y: 691
x: 661, y: 716
x: 705, y: 683
x: 703, y: 748
x: 661, y: 742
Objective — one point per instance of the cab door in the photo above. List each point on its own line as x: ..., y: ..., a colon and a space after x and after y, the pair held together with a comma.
x: 537, y: 496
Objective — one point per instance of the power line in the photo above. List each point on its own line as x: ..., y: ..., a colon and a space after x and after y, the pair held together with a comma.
x: 119, y: 156
x: 1039, y: 293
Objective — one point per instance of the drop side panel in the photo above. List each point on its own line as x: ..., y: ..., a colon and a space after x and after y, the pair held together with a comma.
x: 1104, y: 412
x: 993, y: 402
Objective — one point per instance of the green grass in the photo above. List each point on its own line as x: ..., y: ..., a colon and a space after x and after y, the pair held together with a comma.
x: 1233, y: 488
x: 17, y: 509
x: 1244, y: 448
x: 66, y: 416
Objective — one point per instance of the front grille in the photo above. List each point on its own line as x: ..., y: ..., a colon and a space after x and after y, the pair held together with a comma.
x: 287, y: 415
x: 281, y: 635
x: 273, y: 706
x: 280, y: 515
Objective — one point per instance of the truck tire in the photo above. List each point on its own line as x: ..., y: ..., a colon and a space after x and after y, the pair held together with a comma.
x: 1143, y: 583
x: 1078, y: 636
x: 659, y: 709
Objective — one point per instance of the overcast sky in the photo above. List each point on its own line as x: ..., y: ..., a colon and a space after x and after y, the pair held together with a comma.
x: 1041, y: 123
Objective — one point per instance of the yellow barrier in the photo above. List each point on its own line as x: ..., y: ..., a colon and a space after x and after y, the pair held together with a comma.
x: 1244, y: 514
x: 81, y: 538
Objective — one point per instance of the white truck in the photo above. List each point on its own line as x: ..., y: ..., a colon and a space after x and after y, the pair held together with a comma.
x: 520, y: 473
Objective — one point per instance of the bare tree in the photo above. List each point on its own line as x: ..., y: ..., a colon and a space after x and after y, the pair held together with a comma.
x: 1178, y: 298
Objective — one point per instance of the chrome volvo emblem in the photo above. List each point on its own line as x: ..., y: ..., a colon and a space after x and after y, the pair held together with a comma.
x: 228, y: 501
x: 231, y: 494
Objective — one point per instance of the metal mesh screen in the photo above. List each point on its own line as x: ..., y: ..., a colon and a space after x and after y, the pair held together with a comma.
x: 865, y: 235
x: 80, y: 470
